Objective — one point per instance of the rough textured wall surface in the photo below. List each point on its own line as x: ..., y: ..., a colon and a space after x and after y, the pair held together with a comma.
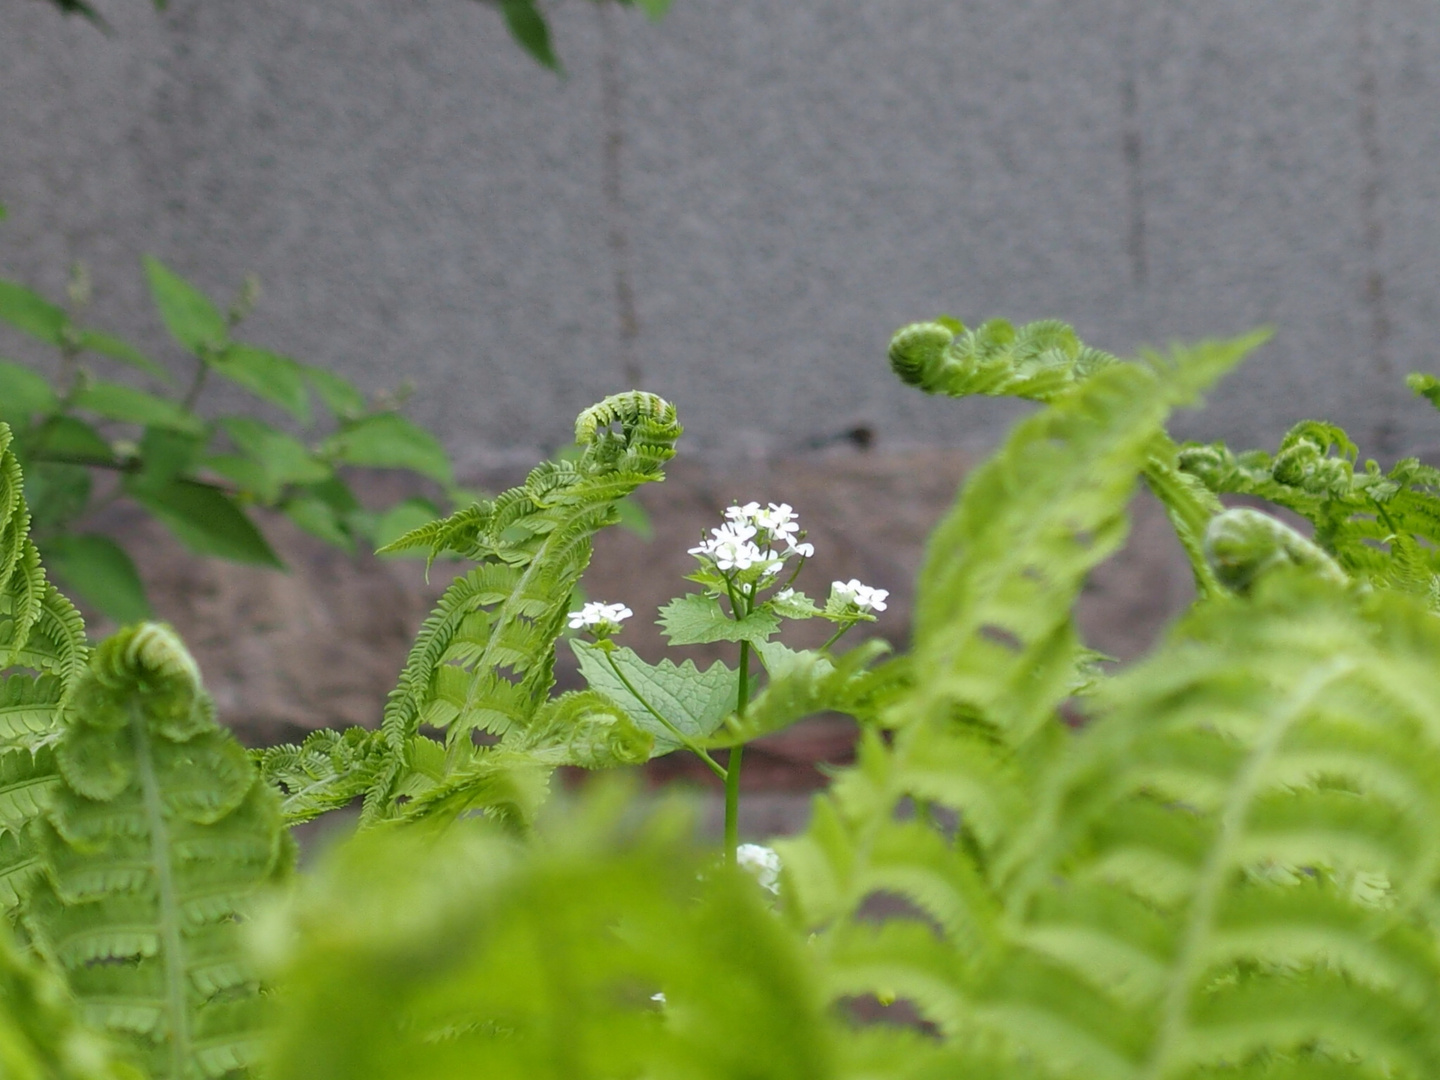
x: 799, y: 178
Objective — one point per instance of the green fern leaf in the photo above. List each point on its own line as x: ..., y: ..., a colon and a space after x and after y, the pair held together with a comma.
x: 157, y: 836
x: 485, y: 658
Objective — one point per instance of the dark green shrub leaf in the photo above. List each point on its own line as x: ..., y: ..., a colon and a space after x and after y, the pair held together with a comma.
x: 99, y: 571
x: 389, y: 441
x: 72, y: 439
x: 119, y: 349
x: 528, y: 28
x: 23, y: 393
x: 187, y: 312
x: 32, y: 313
x: 318, y: 518
x: 56, y: 493
x: 131, y: 406
x: 268, y: 375
x: 207, y: 521
x: 283, y: 459
x: 340, y: 397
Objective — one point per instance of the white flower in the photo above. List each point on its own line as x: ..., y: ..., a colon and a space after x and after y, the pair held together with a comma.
x: 803, y: 550
x: 762, y: 862
x: 779, y: 520
x: 730, y: 548
x: 862, y: 596
x: 600, y: 619
x: 742, y: 515
x: 784, y: 595
x: 660, y: 997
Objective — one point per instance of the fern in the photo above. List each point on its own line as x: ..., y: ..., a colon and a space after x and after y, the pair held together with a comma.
x: 995, y: 653
x: 484, y: 659
x: 39, y: 1037
x: 41, y: 631
x: 1043, y: 361
x: 540, y: 961
x: 156, y: 839
x: 1381, y: 527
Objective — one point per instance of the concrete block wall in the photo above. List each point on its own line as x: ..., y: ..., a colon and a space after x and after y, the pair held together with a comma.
x: 798, y: 179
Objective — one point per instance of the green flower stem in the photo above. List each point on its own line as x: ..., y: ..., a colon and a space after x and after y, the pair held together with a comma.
x: 732, y: 772
x: 836, y: 636
x: 685, y: 740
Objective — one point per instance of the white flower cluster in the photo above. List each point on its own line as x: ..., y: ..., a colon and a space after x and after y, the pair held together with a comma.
x: 862, y: 596
x: 599, y: 619
x: 762, y: 862
x: 749, y: 538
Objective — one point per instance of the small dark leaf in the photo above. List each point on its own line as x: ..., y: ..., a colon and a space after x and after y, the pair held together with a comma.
x: 340, y: 397
x: 528, y: 28
x: 67, y: 437
x: 318, y: 518
x: 56, y: 494
x: 119, y: 349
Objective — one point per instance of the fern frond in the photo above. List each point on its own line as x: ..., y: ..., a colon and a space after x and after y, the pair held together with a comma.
x: 329, y: 770
x: 158, y: 834
x: 40, y: 1036
x: 485, y: 658
x: 994, y: 655
x: 1189, y: 877
x: 539, y: 961
x: 1045, y: 360
x: 1382, y: 528
x: 1037, y: 361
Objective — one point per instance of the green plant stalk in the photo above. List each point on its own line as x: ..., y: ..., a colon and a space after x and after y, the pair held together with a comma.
x: 685, y: 740
x: 732, y: 770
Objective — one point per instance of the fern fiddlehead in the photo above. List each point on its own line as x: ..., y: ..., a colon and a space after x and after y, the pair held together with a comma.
x: 1042, y: 361
x: 485, y: 657
x: 155, y: 840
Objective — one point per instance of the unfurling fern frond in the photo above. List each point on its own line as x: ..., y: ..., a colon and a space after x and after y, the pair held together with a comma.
x: 1038, y: 361
x: 157, y: 837
x: 330, y: 769
x: 1043, y: 361
x: 1238, y: 863
x: 1381, y: 527
x: 995, y: 653
x: 485, y: 657
x: 39, y: 628
x: 41, y: 631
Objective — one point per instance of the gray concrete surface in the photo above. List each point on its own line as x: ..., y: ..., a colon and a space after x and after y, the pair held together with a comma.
x: 800, y: 178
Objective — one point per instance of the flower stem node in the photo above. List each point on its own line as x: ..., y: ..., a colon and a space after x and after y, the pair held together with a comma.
x: 599, y: 620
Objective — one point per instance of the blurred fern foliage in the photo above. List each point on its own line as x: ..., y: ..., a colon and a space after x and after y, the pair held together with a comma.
x: 1229, y: 870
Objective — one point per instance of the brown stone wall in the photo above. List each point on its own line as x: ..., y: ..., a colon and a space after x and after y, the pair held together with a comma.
x: 322, y: 644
